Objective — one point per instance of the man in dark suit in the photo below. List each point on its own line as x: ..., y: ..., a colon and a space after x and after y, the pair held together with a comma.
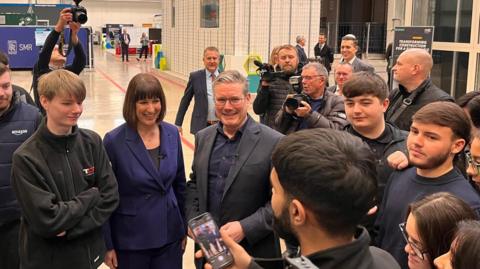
x: 302, y: 56
x: 324, y: 52
x: 231, y: 168
x: 348, y: 49
x: 124, y: 41
x: 200, y: 86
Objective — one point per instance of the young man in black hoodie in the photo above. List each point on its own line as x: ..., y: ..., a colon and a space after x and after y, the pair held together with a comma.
x: 321, y: 203
x: 64, y: 183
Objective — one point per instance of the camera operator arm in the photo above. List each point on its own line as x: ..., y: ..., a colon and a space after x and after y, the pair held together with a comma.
x: 262, y: 100
x: 80, y: 59
x: 283, y: 121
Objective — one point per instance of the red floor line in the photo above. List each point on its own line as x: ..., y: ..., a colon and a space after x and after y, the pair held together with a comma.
x: 184, y: 140
x: 107, y: 77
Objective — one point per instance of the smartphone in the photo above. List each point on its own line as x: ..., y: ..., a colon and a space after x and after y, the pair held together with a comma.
x: 207, y: 235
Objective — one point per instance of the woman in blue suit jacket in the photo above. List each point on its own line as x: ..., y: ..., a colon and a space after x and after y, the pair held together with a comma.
x: 148, y: 229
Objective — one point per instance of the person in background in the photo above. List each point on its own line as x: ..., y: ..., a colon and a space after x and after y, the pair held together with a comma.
x: 324, y: 52
x: 18, y: 121
x: 23, y: 95
x: 302, y: 56
x: 124, y: 43
x: 463, y: 252
x: 51, y: 59
x: 144, y: 48
x: 199, y: 87
x: 415, y: 89
x: 470, y: 102
x: 343, y: 72
x: 473, y: 160
x: 148, y: 229
x: 429, y: 227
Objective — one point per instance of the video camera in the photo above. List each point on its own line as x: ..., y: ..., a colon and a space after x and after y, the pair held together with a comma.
x: 79, y: 13
x: 267, y: 71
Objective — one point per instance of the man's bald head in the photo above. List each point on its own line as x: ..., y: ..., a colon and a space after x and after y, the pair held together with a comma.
x: 413, y: 66
x: 420, y: 57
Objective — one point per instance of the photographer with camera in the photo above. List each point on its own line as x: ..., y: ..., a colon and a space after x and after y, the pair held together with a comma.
x: 314, y: 107
x: 274, y: 86
x: 50, y: 57
x: 321, y: 203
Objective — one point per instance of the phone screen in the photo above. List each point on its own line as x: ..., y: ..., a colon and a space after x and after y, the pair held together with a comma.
x: 208, y: 237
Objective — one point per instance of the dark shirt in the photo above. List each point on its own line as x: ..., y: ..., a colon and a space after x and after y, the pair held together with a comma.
x: 155, y: 156
x: 355, y: 255
x: 405, y: 187
x: 377, y: 145
x: 316, y: 106
x: 223, y: 157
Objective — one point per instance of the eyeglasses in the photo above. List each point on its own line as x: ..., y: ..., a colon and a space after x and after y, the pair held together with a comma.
x: 310, y: 77
x: 473, y: 163
x: 420, y: 253
x: 233, y: 101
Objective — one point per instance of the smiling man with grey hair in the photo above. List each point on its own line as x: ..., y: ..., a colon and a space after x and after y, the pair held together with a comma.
x: 232, y: 159
x: 315, y: 108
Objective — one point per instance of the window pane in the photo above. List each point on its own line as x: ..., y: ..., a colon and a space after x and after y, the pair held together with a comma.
x: 209, y: 14
x: 173, y: 13
x: 477, y: 76
x: 450, y: 66
x: 451, y: 18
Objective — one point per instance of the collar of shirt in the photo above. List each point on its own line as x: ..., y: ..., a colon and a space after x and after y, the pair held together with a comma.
x: 351, y: 61
x: 208, y: 74
x: 385, y: 138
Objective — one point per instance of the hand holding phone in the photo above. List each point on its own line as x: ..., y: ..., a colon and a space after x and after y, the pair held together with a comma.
x: 207, y: 235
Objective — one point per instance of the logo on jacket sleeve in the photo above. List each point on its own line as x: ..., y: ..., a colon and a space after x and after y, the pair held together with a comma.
x: 19, y: 132
x: 89, y: 171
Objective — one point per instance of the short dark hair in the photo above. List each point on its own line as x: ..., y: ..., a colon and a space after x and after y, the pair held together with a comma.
x: 465, y: 254
x: 142, y: 86
x: 445, y: 114
x: 365, y: 83
x: 331, y: 172
x: 3, y: 58
x: 3, y: 68
x: 471, y: 102
x: 436, y: 217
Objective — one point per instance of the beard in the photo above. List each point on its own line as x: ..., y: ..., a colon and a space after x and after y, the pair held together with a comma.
x: 431, y: 162
x: 283, y: 227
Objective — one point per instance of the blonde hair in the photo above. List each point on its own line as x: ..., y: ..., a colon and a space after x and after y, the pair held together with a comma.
x: 61, y: 82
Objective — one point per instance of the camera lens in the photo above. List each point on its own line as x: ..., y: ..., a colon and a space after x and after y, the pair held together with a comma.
x: 81, y: 17
x: 292, y: 103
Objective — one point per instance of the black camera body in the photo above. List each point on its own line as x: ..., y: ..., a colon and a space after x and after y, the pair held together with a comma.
x: 79, y: 13
x: 295, y: 101
x: 267, y: 71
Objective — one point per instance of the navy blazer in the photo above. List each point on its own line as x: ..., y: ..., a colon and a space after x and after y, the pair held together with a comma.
x: 151, y: 210
x: 196, y: 87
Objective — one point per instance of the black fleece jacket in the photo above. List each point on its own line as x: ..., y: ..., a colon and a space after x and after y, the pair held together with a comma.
x: 63, y: 184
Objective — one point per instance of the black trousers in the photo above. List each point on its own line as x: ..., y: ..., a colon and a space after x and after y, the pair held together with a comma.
x: 124, y: 52
x: 144, y: 48
x: 9, y: 245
